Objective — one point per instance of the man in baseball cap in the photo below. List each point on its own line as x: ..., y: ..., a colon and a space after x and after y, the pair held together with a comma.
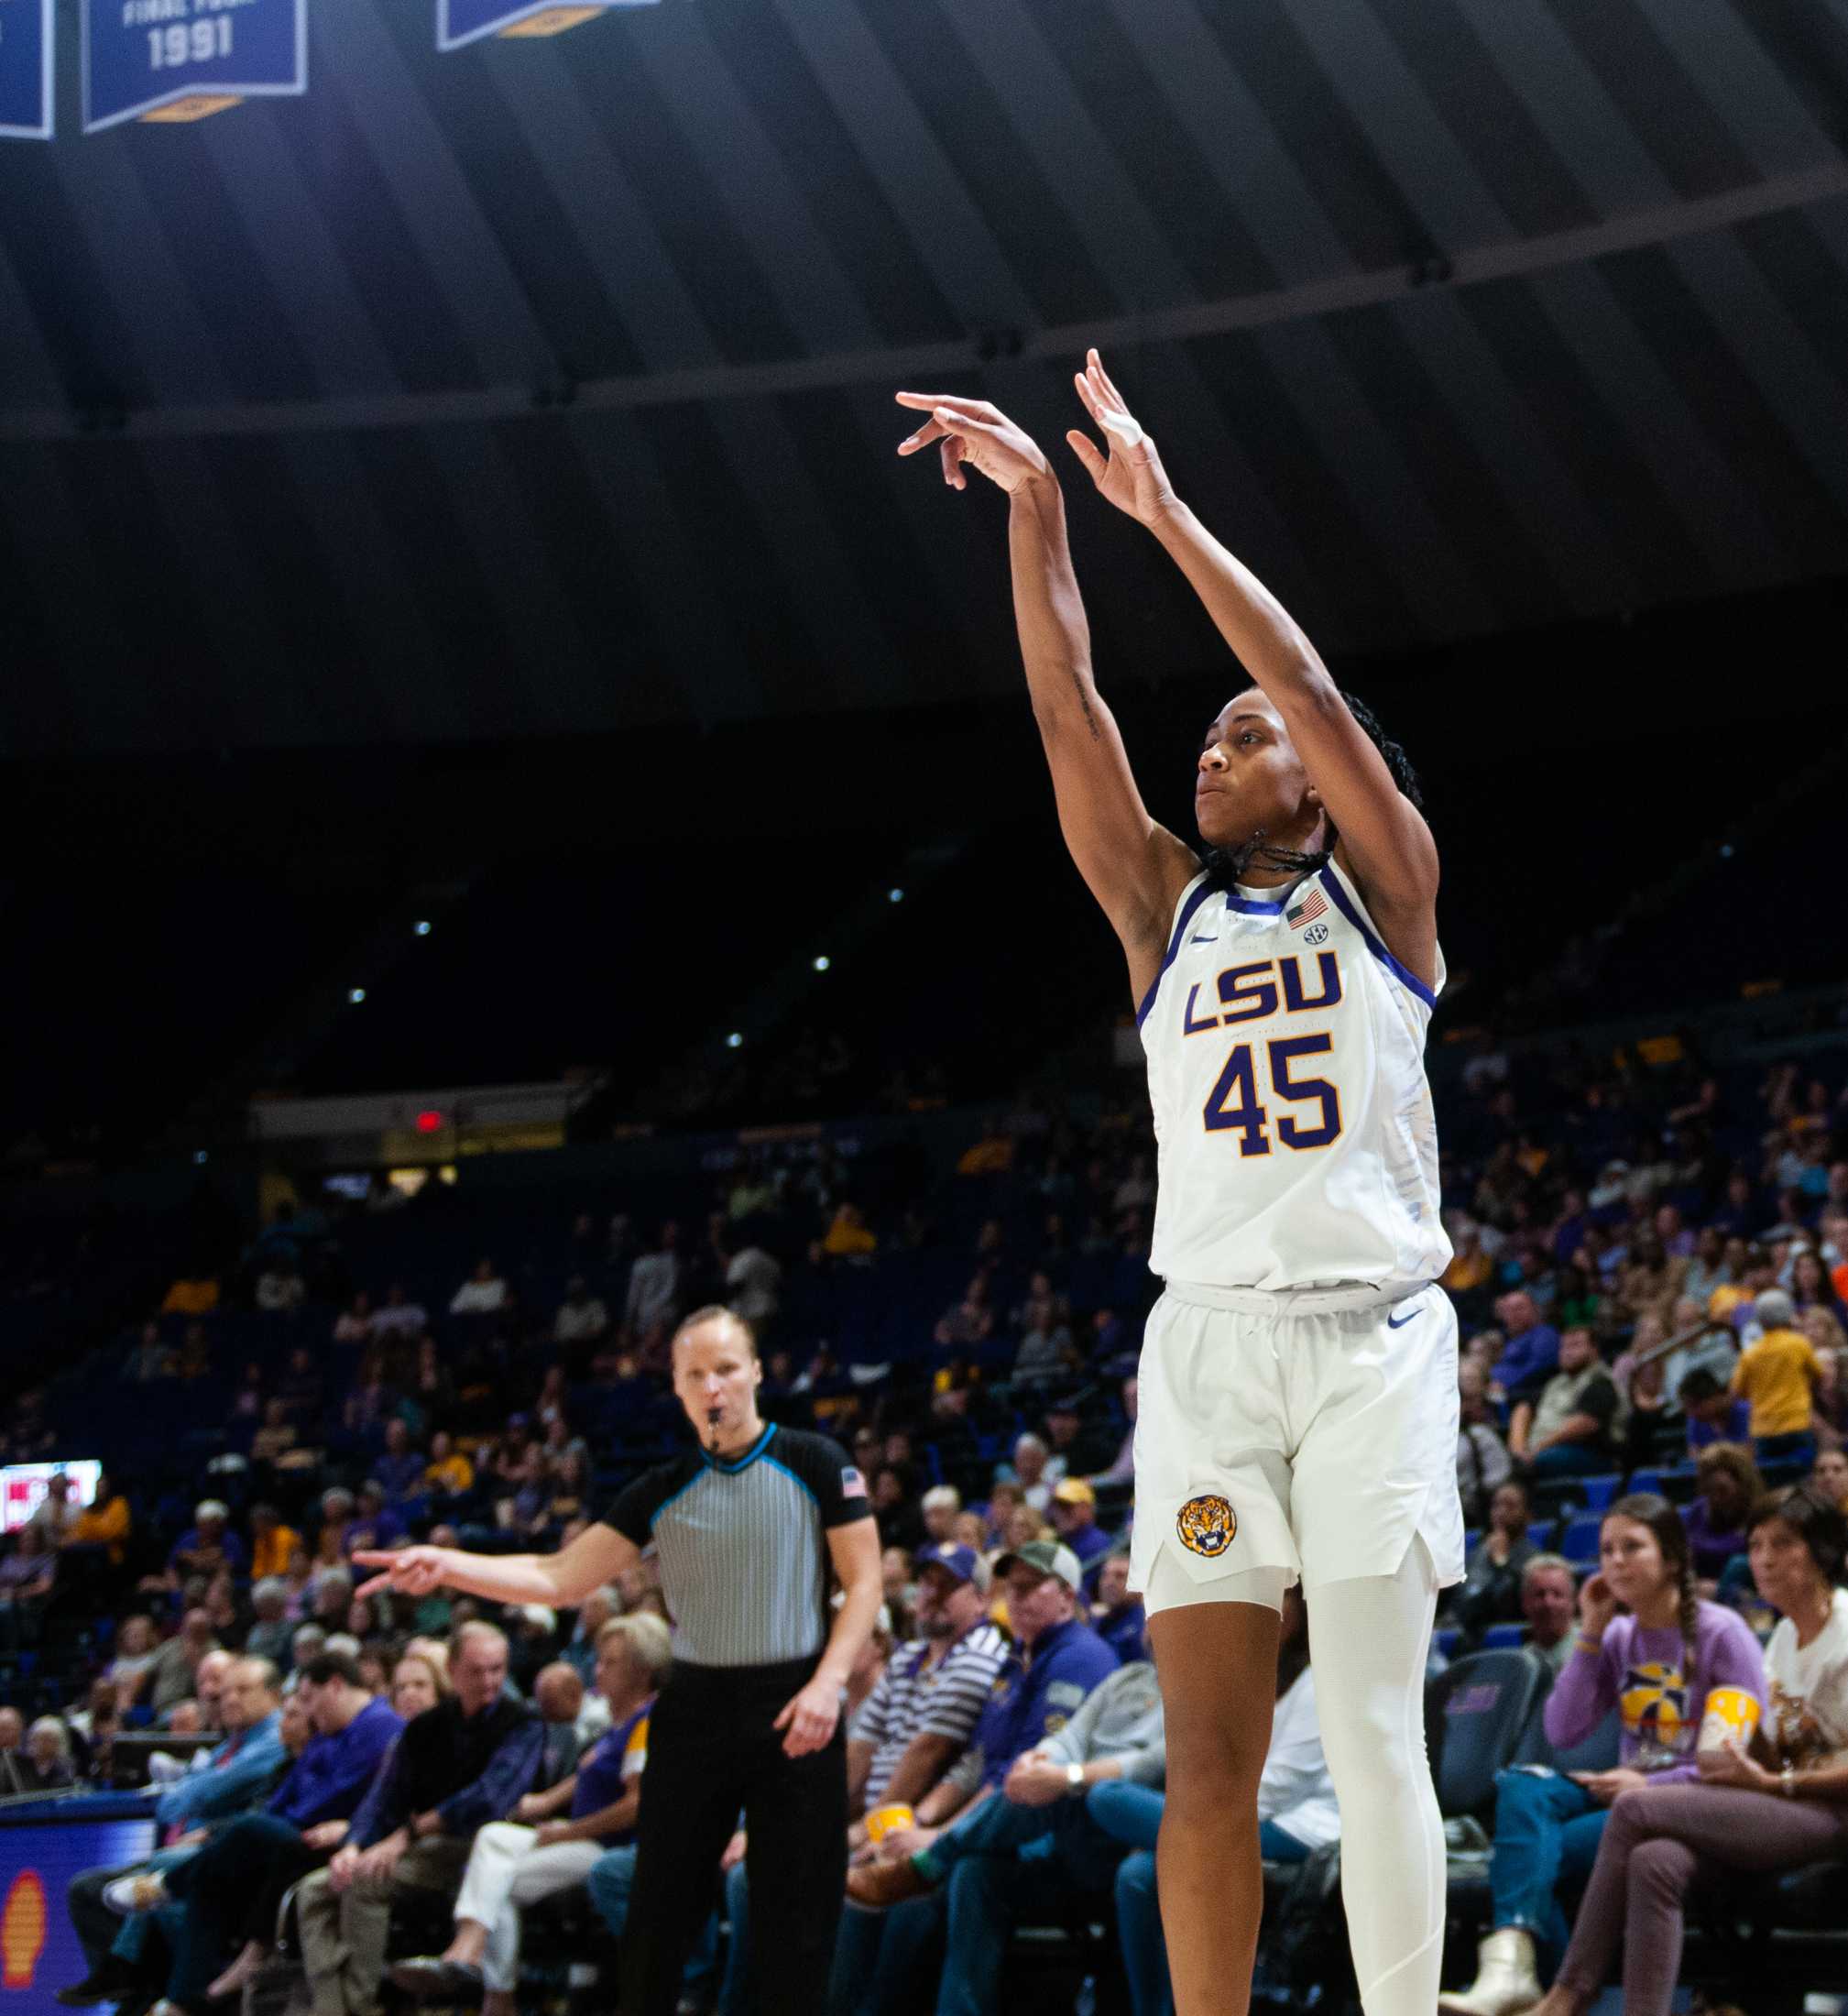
x: 918, y: 1719
x: 1058, y: 1660
x: 1075, y: 1514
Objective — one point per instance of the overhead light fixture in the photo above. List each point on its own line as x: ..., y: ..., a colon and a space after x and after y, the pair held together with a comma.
x: 734, y: 1041
x: 355, y: 995
x: 894, y: 896
x: 822, y: 963
x: 421, y: 927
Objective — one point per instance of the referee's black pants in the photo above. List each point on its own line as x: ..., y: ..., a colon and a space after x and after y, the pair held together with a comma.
x: 711, y: 1752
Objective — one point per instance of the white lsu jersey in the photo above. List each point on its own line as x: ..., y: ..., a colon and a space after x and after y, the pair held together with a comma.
x: 1297, y: 1145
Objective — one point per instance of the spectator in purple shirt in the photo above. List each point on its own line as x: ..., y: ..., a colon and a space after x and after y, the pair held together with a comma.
x: 1530, y: 1349
x: 373, y: 1524
x: 400, y: 1470
x: 1715, y: 1414
x: 206, y: 1546
x: 1649, y: 1647
x: 1730, y: 1486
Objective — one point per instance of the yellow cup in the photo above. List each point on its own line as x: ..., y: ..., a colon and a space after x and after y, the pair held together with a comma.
x: 887, y: 1820
x: 1730, y: 1719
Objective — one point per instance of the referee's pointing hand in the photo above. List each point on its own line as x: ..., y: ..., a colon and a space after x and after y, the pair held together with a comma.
x: 409, y: 1570
x: 810, y: 1717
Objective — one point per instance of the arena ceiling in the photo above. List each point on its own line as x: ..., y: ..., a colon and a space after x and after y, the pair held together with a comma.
x: 544, y: 387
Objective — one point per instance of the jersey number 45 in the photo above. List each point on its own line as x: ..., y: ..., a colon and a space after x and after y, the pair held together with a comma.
x: 1234, y: 1103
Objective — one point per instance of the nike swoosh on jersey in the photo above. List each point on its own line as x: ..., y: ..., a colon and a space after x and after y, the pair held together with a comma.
x: 1211, y: 937
x: 1403, y: 1320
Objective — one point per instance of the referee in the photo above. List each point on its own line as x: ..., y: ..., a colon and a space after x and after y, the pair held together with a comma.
x: 747, y: 1527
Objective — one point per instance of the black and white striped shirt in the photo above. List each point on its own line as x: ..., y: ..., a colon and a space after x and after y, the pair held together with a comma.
x: 911, y: 1699
x: 743, y: 1547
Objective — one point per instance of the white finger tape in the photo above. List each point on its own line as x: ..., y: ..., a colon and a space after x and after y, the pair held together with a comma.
x: 1120, y: 426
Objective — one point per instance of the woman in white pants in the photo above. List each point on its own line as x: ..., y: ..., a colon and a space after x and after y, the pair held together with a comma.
x: 511, y: 1865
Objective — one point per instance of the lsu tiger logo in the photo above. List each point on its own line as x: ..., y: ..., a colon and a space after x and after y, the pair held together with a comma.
x: 1206, y: 1525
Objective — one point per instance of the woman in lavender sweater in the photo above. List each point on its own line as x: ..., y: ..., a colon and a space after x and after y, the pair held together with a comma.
x: 1649, y: 1647
x: 1776, y: 1804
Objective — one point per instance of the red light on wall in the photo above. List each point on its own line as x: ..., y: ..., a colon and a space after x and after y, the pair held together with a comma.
x: 429, y: 1122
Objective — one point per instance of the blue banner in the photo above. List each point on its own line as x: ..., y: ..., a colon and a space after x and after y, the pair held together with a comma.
x: 25, y: 70
x: 183, y: 58
x: 460, y: 21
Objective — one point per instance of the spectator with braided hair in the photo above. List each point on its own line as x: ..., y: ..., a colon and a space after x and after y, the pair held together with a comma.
x: 1650, y: 1647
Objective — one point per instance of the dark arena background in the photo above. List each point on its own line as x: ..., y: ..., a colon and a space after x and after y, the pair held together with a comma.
x: 522, y: 819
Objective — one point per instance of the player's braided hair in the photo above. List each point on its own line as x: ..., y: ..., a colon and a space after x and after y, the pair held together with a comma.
x: 1227, y: 865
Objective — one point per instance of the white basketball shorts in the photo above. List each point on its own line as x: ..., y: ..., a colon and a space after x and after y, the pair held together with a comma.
x: 1312, y: 1432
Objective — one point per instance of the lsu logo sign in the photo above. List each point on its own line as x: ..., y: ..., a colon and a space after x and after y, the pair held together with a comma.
x: 1206, y: 1525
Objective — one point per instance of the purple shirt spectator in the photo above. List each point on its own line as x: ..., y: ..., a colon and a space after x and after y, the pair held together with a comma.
x: 1527, y: 1355
x: 1646, y: 1674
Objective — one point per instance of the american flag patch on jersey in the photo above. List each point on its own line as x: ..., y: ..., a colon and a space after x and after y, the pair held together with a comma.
x: 1306, y: 912
x: 852, y: 1485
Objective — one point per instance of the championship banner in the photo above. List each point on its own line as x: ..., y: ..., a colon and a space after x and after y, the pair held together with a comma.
x: 173, y: 61
x: 461, y: 21
x: 26, y: 43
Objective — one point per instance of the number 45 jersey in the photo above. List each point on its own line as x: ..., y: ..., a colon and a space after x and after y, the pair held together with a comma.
x: 1285, y: 1046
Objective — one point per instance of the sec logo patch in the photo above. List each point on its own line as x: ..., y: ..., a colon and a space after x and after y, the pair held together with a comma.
x: 1206, y: 1525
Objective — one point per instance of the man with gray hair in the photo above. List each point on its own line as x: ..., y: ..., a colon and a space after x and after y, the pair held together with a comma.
x: 1779, y: 1374
x: 1549, y: 1595
x: 269, y: 1637
x: 458, y: 1766
x: 597, y: 1609
x: 940, y: 1506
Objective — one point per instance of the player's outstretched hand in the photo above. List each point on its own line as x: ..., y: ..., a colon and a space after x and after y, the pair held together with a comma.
x: 971, y: 430
x: 1131, y: 474
x: 409, y: 1570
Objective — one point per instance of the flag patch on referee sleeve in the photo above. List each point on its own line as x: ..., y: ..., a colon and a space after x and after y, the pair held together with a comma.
x: 852, y: 1485
x: 1311, y: 907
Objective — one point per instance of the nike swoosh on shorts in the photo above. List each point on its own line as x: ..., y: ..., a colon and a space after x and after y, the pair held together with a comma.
x: 1403, y: 1320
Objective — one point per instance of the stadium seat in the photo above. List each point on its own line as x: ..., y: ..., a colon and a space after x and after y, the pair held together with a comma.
x: 1475, y: 1715
x: 1645, y: 1480
x: 1596, y: 1493
x: 1501, y: 1637
x: 1579, y: 1542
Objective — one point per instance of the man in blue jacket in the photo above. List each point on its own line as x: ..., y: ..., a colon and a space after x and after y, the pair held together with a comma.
x: 235, y: 1883
x: 237, y: 1776
x: 1057, y: 1662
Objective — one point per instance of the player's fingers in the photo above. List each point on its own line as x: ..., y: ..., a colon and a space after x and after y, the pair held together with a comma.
x: 1086, y: 450
x: 950, y: 448
x: 952, y: 402
x: 1086, y: 394
x: 931, y: 431
x: 788, y: 1711
x: 1108, y: 382
x: 379, y: 1583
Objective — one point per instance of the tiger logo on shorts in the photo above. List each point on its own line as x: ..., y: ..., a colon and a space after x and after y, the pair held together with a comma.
x: 1206, y: 1525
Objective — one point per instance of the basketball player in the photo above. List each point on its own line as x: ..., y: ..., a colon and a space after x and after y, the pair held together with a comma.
x: 1299, y: 1379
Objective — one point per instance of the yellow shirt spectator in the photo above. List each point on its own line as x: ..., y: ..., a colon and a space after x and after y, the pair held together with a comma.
x: 847, y: 1237
x: 451, y: 1478
x: 1725, y: 1298
x: 1778, y: 1376
x: 271, y: 1553
x: 103, y: 1525
x: 191, y: 1299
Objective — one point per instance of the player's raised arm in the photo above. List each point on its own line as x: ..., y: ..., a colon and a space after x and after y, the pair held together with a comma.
x: 1381, y: 831
x: 1135, y: 868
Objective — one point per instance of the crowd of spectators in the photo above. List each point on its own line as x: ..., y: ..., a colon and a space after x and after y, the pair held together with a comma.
x: 1649, y: 1273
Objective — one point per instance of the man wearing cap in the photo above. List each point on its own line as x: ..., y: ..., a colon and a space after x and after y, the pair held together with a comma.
x: 1074, y: 1513
x: 917, y: 1720
x: 1025, y: 1841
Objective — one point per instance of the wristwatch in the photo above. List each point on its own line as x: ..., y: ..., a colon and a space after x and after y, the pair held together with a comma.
x: 1075, y: 1777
